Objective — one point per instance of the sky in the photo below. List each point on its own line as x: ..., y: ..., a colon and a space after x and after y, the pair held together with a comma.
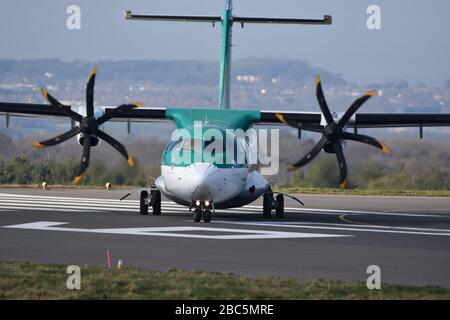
x: 413, y: 43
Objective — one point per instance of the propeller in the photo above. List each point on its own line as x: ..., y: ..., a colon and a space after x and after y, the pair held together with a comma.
x: 333, y: 133
x: 88, y: 126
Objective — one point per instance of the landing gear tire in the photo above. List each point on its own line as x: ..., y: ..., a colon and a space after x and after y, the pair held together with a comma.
x: 267, y: 205
x: 197, y: 215
x: 143, y: 207
x: 279, y: 210
x: 206, y: 216
x: 156, y: 202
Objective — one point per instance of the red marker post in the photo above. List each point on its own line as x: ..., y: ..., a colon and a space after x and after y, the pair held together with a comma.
x: 109, y: 260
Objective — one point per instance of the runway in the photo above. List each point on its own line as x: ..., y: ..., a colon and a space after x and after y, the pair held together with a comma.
x: 332, y: 236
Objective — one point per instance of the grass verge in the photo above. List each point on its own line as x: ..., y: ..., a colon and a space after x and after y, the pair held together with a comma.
x: 22, y: 280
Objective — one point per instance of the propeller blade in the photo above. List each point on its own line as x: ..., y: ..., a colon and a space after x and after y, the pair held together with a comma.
x: 322, y: 102
x: 355, y: 106
x: 84, y: 158
x: 58, y: 139
x: 55, y: 103
x: 122, y: 108
x: 90, y: 93
x: 310, y: 155
x: 302, y: 126
x: 367, y: 140
x: 116, y: 145
x: 342, y: 165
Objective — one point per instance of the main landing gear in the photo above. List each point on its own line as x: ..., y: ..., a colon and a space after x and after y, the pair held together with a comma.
x: 153, y: 201
x: 270, y: 203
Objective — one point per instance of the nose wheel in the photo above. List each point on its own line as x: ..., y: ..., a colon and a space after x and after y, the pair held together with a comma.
x: 200, y: 215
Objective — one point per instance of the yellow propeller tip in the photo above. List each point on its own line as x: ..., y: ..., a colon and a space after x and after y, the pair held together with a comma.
x: 385, y: 148
x: 77, y: 179
x: 138, y: 104
x: 280, y: 117
x: 37, y: 144
x: 343, y: 184
x: 44, y: 92
x: 372, y: 93
x: 93, y: 72
x: 292, y: 168
x: 317, y: 80
x: 130, y: 161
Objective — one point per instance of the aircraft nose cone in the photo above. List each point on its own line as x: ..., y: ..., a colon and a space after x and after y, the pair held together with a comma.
x: 202, y: 189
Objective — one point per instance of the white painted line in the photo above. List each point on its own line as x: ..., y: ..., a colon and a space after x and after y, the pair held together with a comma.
x: 62, y: 198
x: 236, y: 234
x: 15, y: 208
x: 132, y: 204
x: 32, y: 206
x: 72, y: 203
x: 359, y: 229
x: 362, y: 225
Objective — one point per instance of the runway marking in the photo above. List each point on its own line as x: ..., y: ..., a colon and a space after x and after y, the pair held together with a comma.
x: 343, y: 218
x: 75, y: 204
x: 235, y: 234
x: 343, y: 227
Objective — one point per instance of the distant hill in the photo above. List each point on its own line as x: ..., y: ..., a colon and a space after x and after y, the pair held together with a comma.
x: 166, y: 72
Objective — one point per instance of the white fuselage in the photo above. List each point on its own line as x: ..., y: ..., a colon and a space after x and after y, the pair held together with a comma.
x: 224, y: 187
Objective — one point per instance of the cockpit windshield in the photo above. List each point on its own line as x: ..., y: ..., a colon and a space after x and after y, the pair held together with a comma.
x: 192, y: 145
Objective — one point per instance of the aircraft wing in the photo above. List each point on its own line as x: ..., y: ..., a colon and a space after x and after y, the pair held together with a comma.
x: 377, y: 120
x: 359, y: 120
x: 10, y: 109
x: 29, y: 110
x: 139, y: 115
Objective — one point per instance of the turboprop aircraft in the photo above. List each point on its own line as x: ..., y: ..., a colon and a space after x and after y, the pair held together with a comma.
x: 203, y: 183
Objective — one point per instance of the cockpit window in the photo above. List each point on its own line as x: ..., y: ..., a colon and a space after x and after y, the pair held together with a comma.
x: 187, y: 144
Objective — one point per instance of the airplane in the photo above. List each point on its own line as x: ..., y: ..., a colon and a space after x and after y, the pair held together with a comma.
x: 199, y: 183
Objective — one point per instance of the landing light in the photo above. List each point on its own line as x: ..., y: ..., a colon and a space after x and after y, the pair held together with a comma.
x: 197, y: 203
x: 207, y: 203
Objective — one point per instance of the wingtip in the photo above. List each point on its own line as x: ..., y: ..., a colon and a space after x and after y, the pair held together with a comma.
x: 317, y: 81
x: 130, y: 161
x: 292, y: 168
x: 37, y: 144
x: 385, y: 148
x: 343, y: 185
x: 280, y: 117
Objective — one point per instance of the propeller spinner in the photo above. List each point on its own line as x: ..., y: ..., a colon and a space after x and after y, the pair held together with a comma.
x: 88, y: 126
x: 333, y: 132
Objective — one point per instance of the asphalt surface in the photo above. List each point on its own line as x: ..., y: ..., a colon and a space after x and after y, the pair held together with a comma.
x: 332, y: 236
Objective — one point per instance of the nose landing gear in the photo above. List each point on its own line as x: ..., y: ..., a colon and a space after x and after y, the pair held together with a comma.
x: 202, y: 211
